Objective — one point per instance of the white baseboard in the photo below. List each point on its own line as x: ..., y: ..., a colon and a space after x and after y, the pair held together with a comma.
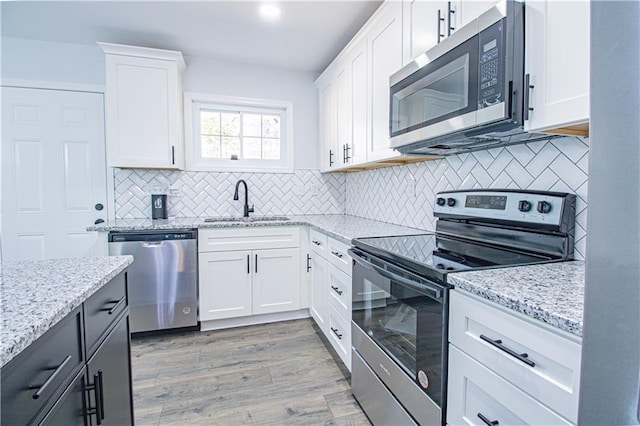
x: 253, y: 319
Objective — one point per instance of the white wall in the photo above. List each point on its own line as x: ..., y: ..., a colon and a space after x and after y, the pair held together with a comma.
x: 44, y: 61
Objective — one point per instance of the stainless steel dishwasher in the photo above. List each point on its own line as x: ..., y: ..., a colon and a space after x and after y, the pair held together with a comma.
x: 163, y: 279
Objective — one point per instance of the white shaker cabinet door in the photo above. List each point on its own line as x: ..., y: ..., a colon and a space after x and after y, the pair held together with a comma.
x: 276, y: 280
x: 328, y: 126
x: 225, y: 284
x: 144, y: 112
x: 385, y: 58
x: 319, y: 303
x: 557, y: 64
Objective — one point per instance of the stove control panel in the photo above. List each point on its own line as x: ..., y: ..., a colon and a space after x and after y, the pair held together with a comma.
x: 519, y: 206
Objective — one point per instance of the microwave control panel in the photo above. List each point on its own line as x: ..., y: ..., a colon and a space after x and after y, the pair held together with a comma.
x: 491, y: 66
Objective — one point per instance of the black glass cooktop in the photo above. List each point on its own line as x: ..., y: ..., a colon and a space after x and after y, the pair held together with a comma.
x: 435, y: 252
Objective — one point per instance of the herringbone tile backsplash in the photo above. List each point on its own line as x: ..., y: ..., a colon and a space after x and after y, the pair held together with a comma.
x: 201, y: 194
x: 404, y: 195
x: 401, y: 195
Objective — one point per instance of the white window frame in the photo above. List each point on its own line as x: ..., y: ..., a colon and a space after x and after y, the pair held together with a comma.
x: 194, y: 161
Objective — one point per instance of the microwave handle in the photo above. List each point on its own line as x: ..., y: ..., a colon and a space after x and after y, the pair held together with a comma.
x: 435, y: 293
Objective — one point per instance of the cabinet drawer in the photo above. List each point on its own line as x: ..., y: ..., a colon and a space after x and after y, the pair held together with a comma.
x: 102, y: 309
x: 339, y: 335
x: 475, y: 391
x: 340, y: 291
x: 339, y: 256
x: 229, y: 239
x: 553, y: 380
x: 44, y: 369
x: 318, y: 243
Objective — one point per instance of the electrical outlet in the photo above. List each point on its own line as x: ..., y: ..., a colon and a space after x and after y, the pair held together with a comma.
x: 175, y: 192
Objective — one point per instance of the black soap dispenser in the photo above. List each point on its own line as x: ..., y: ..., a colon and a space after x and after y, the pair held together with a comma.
x: 159, y: 206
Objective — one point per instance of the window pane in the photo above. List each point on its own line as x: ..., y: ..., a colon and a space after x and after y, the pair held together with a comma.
x: 271, y: 126
x: 271, y: 149
x: 230, y: 146
x: 230, y: 123
x: 251, y: 148
x: 251, y: 125
x: 210, y: 147
x: 209, y: 123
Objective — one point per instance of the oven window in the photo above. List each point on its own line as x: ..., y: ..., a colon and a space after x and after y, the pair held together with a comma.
x: 442, y: 92
x: 407, y: 325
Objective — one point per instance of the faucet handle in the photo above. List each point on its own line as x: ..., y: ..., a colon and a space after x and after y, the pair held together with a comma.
x: 250, y: 210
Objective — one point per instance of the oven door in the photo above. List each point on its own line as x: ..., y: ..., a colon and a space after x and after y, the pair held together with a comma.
x: 405, y: 317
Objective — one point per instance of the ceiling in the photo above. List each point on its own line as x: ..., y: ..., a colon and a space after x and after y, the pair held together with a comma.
x: 307, y: 36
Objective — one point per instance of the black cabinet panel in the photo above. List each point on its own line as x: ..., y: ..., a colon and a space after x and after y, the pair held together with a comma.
x: 102, y: 309
x: 71, y: 408
x: 35, y: 378
x: 113, y: 361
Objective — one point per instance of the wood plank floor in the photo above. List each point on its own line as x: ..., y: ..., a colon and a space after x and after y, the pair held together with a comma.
x: 269, y: 374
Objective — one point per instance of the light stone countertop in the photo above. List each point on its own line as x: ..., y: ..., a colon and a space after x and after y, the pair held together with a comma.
x: 339, y: 226
x: 552, y: 293
x: 37, y: 294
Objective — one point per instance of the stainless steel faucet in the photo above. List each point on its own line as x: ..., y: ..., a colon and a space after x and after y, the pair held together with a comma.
x: 247, y: 209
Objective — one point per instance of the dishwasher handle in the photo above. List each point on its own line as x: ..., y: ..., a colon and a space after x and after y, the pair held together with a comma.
x: 152, y: 245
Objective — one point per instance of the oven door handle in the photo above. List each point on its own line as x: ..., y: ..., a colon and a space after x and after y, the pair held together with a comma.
x: 435, y: 293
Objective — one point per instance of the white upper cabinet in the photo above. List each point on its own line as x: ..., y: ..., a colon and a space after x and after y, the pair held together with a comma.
x: 144, y: 124
x: 384, y: 41
x: 426, y: 23
x: 328, y: 125
x: 470, y: 9
x: 557, y: 65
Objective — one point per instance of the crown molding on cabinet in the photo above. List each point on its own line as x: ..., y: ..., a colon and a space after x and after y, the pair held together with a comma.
x: 144, y: 52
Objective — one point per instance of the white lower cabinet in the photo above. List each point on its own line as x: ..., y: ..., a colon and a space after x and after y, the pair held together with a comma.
x: 246, y: 283
x: 516, y: 369
x: 330, y: 294
x: 478, y: 396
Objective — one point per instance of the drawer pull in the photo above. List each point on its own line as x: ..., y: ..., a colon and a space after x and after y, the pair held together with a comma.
x: 337, y: 254
x: 117, y: 304
x: 487, y: 421
x: 337, y: 290
x: 498, y: 344
x: 57, y: 370
x: 316, y: 242
x: 98, y: 388
x: 335, y: 331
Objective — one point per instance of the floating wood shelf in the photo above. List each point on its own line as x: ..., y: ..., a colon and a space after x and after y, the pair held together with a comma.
x: 396, y: 161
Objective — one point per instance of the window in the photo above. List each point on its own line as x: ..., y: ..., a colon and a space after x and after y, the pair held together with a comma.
x: 238, y: 134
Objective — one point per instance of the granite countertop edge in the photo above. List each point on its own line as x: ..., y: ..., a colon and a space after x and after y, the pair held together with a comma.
x: 20, y: 341
x: 317, y: 222
x: 561, y: 310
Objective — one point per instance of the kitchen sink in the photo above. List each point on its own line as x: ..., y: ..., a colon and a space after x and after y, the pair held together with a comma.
x: 247, y: 219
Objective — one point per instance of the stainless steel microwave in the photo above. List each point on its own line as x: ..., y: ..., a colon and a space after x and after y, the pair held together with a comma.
x: 467, y: 92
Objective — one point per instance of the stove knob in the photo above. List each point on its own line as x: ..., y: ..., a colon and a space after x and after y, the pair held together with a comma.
x: 440, y: 201
x: 524, y: 205
x: 440, y: 266
x: 544, y: 207
x: 451, y: 202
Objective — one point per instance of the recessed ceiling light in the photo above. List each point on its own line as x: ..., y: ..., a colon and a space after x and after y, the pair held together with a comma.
x: 270, y: 11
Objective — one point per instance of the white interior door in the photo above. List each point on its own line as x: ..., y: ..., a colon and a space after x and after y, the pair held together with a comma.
x: 53, y: 173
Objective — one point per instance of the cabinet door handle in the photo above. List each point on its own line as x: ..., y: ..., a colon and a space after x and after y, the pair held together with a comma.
x: 173, y: 154
x: 117, y: 304
x: 439, y: 23
x: 98, y: 388
x: 348, y: 154
x: 337, y: 254
x: 248, y: 267
x: 308, y: 262
x: 335, y: 331
x: 330, y: 158
x: 527, y: 96
x: 256, y: 265
x: 56, y: 372
x: 487, y: 421
x: 498, y: 344
x: 337, y: 290
x: 450, y: 11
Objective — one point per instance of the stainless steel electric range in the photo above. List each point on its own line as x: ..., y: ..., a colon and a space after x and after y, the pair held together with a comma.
x: 400, y: 291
